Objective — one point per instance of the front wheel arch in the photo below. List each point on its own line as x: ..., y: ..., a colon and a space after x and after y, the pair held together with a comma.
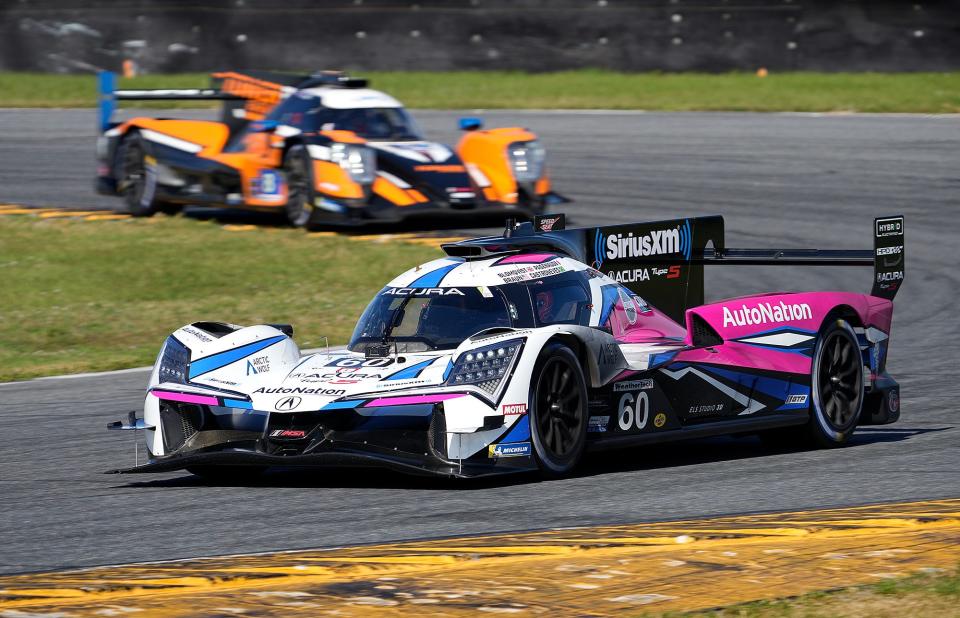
x: 552, y: 416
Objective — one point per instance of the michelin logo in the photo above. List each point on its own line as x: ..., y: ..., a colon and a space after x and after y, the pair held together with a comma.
x: 515, y: 449
x: 657, y: 242
x: 764, y: 313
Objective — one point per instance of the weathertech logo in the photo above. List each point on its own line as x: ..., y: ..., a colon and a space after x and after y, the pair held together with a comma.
x: 765, y: 313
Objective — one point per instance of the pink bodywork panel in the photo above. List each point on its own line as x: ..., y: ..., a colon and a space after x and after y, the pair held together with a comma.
x: 751, y: 315
x: 650, y: 326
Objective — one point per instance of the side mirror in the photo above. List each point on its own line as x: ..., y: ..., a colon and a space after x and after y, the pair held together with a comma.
x: 264, y: 126
x: 470, y: 123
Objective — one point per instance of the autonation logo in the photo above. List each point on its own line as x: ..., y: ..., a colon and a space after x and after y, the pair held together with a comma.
x: 765, y: 313
x: 629, y: 245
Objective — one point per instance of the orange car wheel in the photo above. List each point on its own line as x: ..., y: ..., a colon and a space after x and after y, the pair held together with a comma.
x: 299, y: 176
x: 137, y: 177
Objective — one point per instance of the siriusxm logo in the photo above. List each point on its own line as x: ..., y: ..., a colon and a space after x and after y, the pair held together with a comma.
x: 656, y: 242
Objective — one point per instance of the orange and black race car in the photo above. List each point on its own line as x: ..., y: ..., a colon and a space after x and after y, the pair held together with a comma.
x: 324, y: 148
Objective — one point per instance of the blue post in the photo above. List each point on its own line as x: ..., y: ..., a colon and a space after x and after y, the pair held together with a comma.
x: 106, y: 103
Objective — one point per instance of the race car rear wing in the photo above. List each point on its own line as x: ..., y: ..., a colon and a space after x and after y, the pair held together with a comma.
x: 247, y: 96
x: 663, y: 261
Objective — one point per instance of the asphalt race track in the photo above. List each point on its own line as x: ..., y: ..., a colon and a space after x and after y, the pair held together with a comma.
x: 780, y: 180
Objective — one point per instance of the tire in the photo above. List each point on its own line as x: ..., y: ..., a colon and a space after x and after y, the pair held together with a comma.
x: 137, y: 181
x: 298, y: 173
x: 226, y: 474
x: 558, y: 411
x: 837, y: 389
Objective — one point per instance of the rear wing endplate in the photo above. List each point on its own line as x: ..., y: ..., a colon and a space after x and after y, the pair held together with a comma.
x: 108, y: 95
x: 663, y: 261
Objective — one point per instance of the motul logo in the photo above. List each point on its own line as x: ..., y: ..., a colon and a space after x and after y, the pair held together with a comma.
x: 509, y: 409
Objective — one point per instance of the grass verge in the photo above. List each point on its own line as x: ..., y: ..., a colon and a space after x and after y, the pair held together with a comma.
x: 79, y: 296
x: 926, y: 594
x: 584, y: 89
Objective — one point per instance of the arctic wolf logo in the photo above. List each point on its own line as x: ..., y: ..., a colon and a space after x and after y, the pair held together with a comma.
x: 626, y: 245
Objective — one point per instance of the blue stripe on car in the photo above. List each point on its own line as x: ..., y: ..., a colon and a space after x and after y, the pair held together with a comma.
x: 411, y: 372
x: 781, y: 389
x: 433, y: 278
x: 339, y: 405
x: 520, y: 432
x: 610, y: 296
x: 221, y: 359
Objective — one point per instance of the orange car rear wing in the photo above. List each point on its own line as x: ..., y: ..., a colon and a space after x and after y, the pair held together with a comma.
x: 108, y: 95
x: 257, y: 92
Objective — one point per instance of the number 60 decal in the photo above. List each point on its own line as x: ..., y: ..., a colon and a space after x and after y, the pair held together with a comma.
x: 630, y: 415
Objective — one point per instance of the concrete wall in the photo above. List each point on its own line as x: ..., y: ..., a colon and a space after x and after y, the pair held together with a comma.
x: 536, y: 35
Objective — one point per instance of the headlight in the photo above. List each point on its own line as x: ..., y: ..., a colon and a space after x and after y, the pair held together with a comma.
x: 173, y: 362
x: 485, y: 367
x: 526, y: 160
x: 358, y: 161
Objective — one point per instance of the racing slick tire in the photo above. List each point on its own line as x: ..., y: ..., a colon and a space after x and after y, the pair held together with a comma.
x: 836, y: 393
x: 837, y: 389
x: 558, y: 411
x: 298, y: 172
x: 226, y: 474
x: 137, y: 177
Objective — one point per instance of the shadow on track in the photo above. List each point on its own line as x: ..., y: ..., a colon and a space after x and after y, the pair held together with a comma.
x: 451, y: 222
x: 690, y: 453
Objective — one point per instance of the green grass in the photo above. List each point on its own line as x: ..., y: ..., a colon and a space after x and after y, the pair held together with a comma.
x: 584, y: 89
x: 88, y: 296
x: 924, y: 594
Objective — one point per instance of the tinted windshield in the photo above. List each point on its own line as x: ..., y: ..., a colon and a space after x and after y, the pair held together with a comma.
x: 421, y: 319
x: 375, y: 123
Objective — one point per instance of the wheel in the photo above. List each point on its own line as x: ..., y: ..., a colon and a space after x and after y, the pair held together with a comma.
x: 558, y: 411
x: 837, y: 385
x: 137, y: 178
x: 225, y: 474
x: 300, y: 190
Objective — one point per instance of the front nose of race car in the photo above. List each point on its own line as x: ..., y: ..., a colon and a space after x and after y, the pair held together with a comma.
x: 438, y: 415
x: 406, y: 432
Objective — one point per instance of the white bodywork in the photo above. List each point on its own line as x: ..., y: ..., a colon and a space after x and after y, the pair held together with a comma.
x: 352, y: 98
x: 268, y: 378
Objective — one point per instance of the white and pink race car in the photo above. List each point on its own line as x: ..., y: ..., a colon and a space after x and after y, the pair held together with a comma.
x: 524, y: 351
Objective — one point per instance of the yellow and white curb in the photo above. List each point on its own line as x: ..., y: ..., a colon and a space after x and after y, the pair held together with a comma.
x: 595, y: 571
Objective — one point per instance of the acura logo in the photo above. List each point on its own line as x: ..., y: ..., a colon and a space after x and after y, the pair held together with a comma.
x: 288, y: 403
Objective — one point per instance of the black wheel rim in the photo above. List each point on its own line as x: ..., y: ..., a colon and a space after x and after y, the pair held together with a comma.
x: 559, y: 402
x: 297, y: 191
x: 838, y: 380
x: 133, y: 172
